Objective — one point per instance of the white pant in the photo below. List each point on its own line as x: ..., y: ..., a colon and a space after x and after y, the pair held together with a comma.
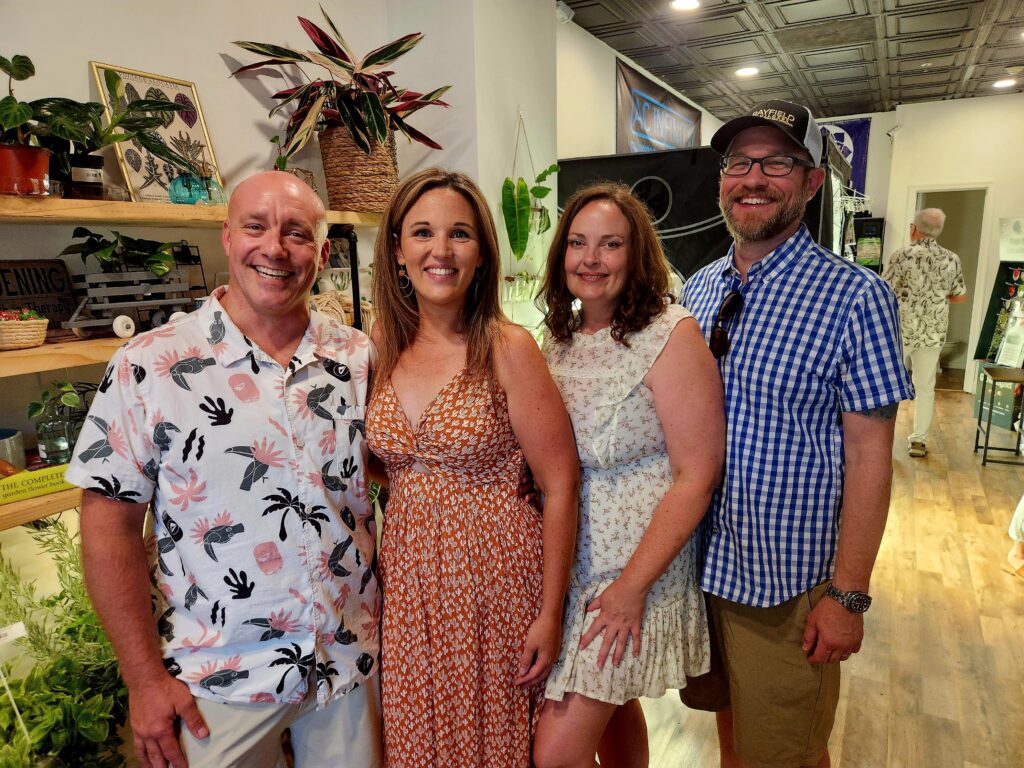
x: 1017, y: 522
x: 347, y: 732
x: 924, y: 361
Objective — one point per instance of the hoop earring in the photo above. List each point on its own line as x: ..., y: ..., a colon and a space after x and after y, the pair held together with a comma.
x: 404, y: 283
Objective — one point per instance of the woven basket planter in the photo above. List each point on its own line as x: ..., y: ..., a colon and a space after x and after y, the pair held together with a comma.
x: 22, y: 334
x: 357, y: 181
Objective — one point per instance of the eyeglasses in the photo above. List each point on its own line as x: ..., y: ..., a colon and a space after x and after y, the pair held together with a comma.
x: 727, y: 310
x: 773, y: 165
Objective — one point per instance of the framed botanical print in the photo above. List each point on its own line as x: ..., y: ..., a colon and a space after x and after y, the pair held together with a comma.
x: 148, y: 177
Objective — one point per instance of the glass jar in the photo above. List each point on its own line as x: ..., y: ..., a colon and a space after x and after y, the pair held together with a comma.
x: 188, y: 189
x: 53, y: 435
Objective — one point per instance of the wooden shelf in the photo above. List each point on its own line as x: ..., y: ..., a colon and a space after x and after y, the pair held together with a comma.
x: 45, y: 210
x: 27, y: 510
x: 51, y: 357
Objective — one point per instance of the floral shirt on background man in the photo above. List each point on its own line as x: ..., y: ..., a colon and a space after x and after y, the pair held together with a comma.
x: 924, y: 275
x: 262, y: 552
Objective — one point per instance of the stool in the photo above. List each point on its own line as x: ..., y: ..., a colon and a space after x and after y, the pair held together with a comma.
x: 995, y: 375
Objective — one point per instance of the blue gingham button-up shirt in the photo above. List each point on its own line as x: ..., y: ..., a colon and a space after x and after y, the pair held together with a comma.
x: 817, y: 336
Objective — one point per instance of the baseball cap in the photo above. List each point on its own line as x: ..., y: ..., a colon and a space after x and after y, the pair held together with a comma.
x: 794, y: 120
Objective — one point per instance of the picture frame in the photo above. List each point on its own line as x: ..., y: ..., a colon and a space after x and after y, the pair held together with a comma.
x: 147, y: 177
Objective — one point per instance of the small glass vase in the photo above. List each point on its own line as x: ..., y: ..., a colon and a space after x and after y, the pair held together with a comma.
x: 188, y: 189
x: 53, y: 436
x: 215, y: 194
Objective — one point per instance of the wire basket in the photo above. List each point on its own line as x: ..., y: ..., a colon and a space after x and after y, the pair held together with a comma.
x: 22, y: 334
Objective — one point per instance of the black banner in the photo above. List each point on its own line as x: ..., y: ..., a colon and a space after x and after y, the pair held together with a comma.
x: 649, y: 118
x: 679, y: 187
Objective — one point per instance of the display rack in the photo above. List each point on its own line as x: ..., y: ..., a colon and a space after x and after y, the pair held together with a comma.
x: 28, y: 210
x: 52, y: 357
x: 71, y: 354
x: 21, y: 512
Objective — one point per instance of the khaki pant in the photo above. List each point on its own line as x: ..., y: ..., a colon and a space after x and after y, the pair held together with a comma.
x: 783, y: 707
x: 347, y: 732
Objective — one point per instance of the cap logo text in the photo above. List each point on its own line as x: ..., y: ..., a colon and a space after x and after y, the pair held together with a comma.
x: 775, y: 115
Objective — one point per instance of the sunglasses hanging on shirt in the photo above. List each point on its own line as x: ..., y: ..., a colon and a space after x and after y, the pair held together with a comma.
x: 727, y: 310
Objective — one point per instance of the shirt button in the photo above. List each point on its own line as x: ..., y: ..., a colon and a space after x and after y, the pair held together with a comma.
x: 299, y: 443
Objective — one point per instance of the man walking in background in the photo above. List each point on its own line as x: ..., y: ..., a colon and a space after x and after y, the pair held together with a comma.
x: 809, y: 351
x: 927, y: 278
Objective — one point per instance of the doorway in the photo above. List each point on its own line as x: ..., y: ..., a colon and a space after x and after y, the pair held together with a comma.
x: 964, y: 209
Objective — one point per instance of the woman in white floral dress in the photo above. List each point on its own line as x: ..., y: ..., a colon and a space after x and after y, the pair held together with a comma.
x: 646, y: 404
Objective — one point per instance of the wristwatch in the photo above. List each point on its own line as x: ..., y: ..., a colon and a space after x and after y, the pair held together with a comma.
x: 854, y: 602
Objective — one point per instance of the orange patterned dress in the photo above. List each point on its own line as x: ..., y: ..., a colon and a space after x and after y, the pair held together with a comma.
x: 461, y: 567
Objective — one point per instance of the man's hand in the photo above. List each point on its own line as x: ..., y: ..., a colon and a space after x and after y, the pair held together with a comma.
x: 153, y: 712
x: 832, y: 633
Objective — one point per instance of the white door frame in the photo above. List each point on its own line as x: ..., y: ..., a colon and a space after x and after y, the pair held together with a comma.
x: 987, y: 265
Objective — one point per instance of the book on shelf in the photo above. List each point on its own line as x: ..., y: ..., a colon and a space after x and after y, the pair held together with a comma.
x: 30, y: 483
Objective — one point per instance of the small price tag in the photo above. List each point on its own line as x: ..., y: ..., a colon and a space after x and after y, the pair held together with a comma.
x: 11, y: 633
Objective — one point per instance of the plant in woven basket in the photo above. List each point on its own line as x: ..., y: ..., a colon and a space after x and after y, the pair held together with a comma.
x: 18, y: 315
x: 21, y: 328
x: 354, y: 93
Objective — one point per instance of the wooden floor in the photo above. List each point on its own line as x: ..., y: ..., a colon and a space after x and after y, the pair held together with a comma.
x: 940, y: 680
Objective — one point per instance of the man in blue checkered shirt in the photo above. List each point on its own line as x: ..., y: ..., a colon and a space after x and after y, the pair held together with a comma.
x: 809, y: 349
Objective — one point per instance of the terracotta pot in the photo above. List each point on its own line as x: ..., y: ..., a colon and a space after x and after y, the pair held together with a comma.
x: 24, y: 170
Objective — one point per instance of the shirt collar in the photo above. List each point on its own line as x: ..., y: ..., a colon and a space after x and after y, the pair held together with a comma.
x: 229, y: 344
x: 776, y: 263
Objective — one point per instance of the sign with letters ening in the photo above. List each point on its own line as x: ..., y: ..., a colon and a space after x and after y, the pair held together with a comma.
x: 648, y: 117
x: 40, y: 284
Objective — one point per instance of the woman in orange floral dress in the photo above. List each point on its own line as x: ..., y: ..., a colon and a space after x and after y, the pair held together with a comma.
x: 473, y: 577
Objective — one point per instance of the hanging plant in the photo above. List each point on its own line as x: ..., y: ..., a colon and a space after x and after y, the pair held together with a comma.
x: 356, y: 93
x: 521, y: 205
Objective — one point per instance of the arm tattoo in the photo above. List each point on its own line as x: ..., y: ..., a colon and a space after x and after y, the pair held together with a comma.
x: 883, y: 413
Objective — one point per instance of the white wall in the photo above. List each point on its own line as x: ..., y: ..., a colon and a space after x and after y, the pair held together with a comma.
x: 446, y: 56
x: 586, y: 95
x: 963, y: 144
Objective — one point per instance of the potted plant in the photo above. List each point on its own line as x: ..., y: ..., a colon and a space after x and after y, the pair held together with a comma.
x: 70, y: 701
x: 122, y: 252
x: 23, y: 163
x: 354, y: 108
x: 21, y: 328
x: 58, y: 416
x: 77, y: 129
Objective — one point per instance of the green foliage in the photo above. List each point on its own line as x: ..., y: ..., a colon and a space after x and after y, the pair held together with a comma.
x: 522, y: 210
x: 64, y: 395
x: 16, y: 125
x: 355, y: 93
x: 72, y: 700
x: 57, y: 120
x: 123, y: 252
x: 83, y: 123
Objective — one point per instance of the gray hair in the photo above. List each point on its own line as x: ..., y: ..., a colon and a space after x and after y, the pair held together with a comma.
x: 930, y: 221
x: 321, y: 230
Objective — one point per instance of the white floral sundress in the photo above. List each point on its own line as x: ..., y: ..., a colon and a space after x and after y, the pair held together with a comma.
x: 625, y: 473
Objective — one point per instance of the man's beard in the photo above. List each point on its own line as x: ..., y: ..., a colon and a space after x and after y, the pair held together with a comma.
x: 756, y: 230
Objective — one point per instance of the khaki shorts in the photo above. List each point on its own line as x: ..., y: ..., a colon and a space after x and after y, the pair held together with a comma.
x: 783, y: 707
x: 346, y: 732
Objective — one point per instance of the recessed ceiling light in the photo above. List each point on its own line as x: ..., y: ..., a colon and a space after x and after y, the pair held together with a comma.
x: 1008, y: 83
x: 926, y: 65
x: 686, y: 5
x: 747, y: 71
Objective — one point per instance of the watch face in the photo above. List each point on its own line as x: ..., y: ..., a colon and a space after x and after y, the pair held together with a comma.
x: 858, y: 602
